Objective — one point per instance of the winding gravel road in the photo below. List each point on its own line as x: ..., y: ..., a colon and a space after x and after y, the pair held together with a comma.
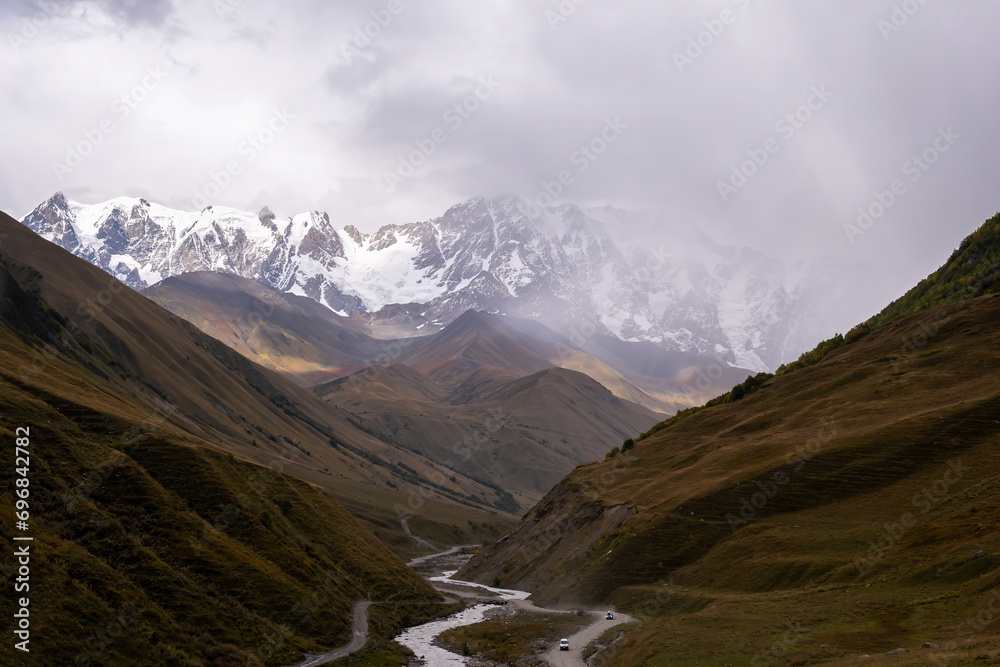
x: 421, y: 542
x: 358, y: 640
x: 447, y: 552
x: 577, y: 642
x: 555, y: 657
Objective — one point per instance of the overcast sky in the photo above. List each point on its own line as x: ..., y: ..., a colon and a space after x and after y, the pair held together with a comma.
x: 152, y: 97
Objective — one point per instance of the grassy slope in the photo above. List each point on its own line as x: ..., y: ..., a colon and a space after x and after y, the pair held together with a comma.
x: 291, y: 334
x: 141, y: 518
x: 214, y: 554
x: 857, y: 436
x: 216, y: 394
x: 524, y: 437
x: 971, y: 271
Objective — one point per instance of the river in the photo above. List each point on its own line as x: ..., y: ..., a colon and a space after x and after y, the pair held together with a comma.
x: 438, y: 569
x: 420, y: 638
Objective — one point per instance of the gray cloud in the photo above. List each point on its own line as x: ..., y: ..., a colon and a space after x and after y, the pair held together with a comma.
x: 227, y: 70
x: 129, y: 12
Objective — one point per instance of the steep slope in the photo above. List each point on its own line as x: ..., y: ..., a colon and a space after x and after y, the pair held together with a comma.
x: 152, y: 545
x: 970, y: 272
x: 209, y: 392
x: 474, y: 354
x: 473, y: 358
x: 565, y: 266
x: 521, y: 435
x: 875, y: 468
x: 291, y: 334
x: 640, y: 372
x: 311, y: 344
x: 416, y: 412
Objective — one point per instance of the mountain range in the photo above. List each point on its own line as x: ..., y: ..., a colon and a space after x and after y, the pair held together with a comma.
x: 181, y: 483
x: 249, y: 442
x: 581, y: 272
x: 845, y: 508
x: 505, y: 387
x: 357, y: 436
x: 184, y: 503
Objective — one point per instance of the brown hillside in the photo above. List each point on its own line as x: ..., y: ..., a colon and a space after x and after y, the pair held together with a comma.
x: 877, y: 468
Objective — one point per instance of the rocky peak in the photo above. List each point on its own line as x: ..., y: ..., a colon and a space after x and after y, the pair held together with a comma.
x: 566, y: 267
x: 354, y: 234
x: 267, y: 218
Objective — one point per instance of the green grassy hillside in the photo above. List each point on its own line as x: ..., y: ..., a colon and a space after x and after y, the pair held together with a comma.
x: 154, y: 543
x: 857, y: 498
x: 521, y: 437
x: 154, y: 549
x: 971, y: 271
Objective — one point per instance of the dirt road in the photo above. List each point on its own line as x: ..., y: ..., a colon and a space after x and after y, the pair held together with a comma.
x: 579, y: 641
x: 358, y: 639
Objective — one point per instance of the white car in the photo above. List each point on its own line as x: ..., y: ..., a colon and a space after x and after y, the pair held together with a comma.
x: 563, y: 644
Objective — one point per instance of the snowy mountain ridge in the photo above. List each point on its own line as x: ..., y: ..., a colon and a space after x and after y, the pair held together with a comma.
x: 571, y: 268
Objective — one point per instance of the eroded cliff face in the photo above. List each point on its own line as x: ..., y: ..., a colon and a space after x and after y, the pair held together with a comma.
x: 791, y: 485
x: 541, y: 554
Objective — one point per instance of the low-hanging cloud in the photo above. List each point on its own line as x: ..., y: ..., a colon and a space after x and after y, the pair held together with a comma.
x: 701, y: 86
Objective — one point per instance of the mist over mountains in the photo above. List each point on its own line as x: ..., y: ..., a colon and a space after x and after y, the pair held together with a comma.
x: 579, y: 271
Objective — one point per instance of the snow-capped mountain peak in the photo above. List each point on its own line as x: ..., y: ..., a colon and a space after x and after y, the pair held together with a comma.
x: 566, y: 266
